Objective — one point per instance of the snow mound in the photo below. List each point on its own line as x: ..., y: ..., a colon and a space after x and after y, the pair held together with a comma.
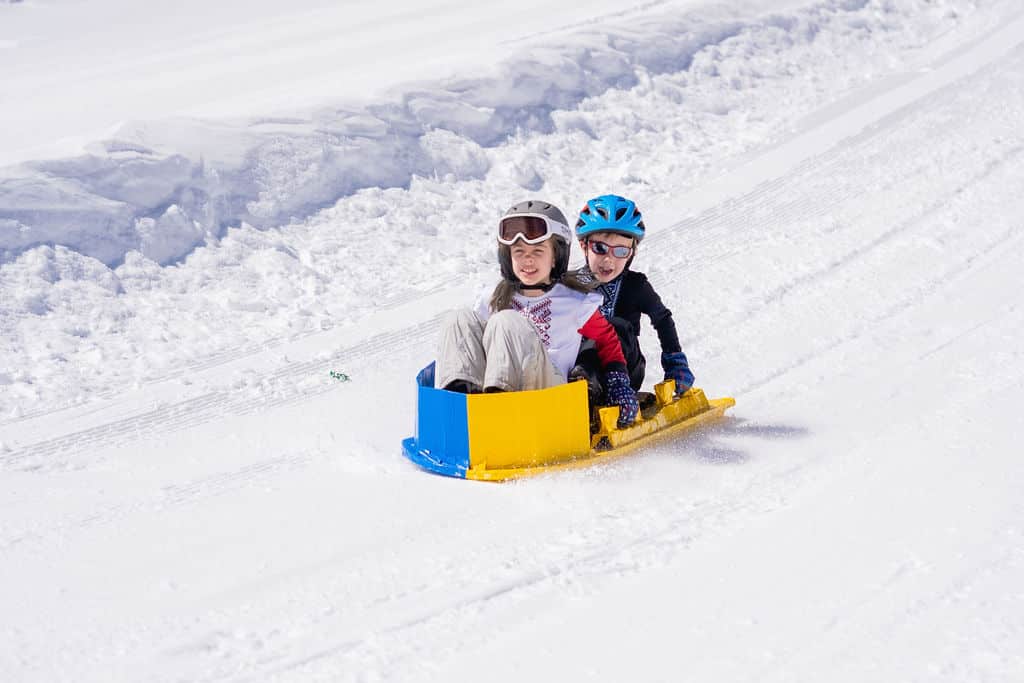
x: 164, y: 187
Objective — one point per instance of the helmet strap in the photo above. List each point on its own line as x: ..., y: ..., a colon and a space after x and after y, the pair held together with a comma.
x: 542, y: 287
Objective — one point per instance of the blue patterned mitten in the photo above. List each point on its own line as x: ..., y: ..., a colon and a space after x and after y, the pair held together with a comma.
x: 676, y: 367
x: 616, y: 384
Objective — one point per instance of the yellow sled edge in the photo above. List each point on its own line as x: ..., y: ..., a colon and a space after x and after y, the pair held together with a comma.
x: 624, y: 442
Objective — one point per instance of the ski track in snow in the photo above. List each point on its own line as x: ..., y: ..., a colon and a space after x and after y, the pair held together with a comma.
x: 181, y: 369
x: 295, y: 382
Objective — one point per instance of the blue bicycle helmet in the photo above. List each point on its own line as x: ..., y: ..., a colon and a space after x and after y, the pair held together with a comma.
x: 610, y: 213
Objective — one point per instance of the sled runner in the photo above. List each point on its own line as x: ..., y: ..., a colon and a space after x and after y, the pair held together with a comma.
x: 500, y: 436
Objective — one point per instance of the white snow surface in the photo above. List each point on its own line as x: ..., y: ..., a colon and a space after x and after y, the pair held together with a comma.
x: 208, y: 209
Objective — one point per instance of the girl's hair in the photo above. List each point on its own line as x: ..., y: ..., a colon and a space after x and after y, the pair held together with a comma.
x: 501, y: 299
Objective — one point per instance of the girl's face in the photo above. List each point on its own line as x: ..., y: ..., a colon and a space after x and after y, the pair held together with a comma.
x: 532, y: 263
x: 606, y: 267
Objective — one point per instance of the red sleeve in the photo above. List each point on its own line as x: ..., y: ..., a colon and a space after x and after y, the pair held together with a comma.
x: 609, y: 350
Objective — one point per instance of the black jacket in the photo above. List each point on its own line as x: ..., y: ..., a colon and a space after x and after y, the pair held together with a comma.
x: 636, y: 296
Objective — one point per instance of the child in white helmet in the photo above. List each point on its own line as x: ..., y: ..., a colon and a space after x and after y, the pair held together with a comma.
x: 527, y: 334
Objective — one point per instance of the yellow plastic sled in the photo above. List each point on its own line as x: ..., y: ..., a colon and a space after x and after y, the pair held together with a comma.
x: 494, y: 437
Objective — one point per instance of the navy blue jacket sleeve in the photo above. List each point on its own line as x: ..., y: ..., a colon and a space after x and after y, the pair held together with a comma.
x: 649, y: 303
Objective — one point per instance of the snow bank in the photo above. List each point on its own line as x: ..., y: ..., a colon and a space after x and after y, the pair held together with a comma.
x: 164, y: 187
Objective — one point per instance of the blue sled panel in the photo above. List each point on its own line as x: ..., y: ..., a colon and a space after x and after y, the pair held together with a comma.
x: 441, y: 443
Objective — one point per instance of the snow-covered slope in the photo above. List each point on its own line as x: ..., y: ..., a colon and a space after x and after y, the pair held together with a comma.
x: 834, y: 193
x: 90, y: 310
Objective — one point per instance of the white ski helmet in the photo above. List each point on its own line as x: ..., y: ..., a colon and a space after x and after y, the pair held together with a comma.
x: 549, y: 223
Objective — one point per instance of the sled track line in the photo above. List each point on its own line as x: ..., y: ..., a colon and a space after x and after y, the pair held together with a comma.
x: 905, y: 303
x: 674, y: 535
x: 760, y: 210
x: 755, y: 211
x: 810, y: 191
x: 219, y: 358
x: 168, y: 497
x: 910, y: 298
x: 290, y: 384
x: 787, y: 205
x: 860, y: 251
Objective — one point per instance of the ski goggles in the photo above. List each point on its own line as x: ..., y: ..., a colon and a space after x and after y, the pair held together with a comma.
x: 532, y: 228
x: 602, y: 249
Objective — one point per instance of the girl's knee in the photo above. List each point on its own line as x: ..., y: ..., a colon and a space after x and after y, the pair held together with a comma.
x: 460, y: 317
x: 507, y: 318
x: 508, y: 324
x: 511, y: 330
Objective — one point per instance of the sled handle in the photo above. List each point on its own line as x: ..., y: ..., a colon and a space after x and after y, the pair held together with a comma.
x: 609, y: 418
x: 665, y: 392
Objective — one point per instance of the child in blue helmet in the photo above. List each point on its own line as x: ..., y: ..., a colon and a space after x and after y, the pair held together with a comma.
x: 609, y: 231
x: 528, y: 332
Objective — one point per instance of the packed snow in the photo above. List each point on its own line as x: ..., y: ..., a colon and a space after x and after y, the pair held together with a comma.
x: 227, y: 233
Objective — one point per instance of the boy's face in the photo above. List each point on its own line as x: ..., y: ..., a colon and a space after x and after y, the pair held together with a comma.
x: 606, y: 267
